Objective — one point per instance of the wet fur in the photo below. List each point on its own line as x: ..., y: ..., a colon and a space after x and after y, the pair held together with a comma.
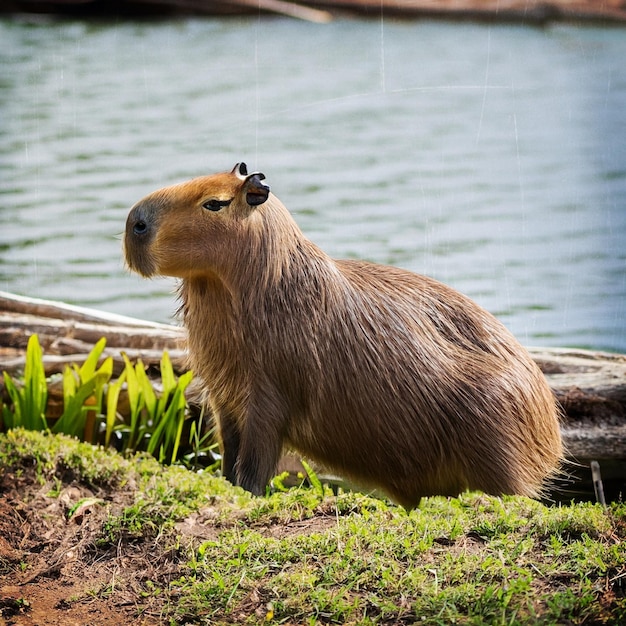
x: 386, y: 377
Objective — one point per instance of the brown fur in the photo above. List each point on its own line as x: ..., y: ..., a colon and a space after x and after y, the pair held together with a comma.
x: 389, y: 378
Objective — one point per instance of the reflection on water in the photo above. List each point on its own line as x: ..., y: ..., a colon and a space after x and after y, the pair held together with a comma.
x: 490, y: 157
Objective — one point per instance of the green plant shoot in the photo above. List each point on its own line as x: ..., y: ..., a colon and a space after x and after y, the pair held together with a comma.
x: 156, y: 422
x: 81, y: 385
x: 29, y: 401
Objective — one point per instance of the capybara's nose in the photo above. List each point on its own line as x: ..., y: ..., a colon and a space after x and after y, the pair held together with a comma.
x: 141, y: 226
x: 137, y: 222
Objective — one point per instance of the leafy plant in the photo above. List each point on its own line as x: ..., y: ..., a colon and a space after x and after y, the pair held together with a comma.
x: 113, y: 394
x: 28, y: 402
x: 201, y: 446
x: 169, y: 412
x: 316, y: 483
x: 151, y: 421
x: 155, y: 423
x: 83, y: 389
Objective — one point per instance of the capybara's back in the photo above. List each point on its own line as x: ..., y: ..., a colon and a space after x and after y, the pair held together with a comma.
x: 388, y: 378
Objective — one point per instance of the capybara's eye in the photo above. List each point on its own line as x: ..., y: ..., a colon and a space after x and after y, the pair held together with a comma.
x: 216, y: 205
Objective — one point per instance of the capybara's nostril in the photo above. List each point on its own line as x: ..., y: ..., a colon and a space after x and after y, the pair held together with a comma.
x: 140, y: 228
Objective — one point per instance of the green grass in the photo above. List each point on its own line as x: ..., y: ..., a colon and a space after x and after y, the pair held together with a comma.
x: 306, y: 556
x: 379, y: 564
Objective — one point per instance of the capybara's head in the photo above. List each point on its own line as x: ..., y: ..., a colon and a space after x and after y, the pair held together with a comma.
x: 187, y: 229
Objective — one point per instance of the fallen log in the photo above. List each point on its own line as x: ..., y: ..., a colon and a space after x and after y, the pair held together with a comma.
x: 322, y: 11
x: 14, y: 303
x: 289, y: 9
x: 524, y: 11
x: 69, y: 331
x: 590, y: 386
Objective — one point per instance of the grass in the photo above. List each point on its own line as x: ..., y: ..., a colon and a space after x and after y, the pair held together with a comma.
x: 306, y: 556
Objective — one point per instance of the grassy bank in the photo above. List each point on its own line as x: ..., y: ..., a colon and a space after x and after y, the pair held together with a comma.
x: 86, y: 533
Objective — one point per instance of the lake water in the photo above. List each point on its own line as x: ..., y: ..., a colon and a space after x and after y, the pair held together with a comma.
x: 491, y: 157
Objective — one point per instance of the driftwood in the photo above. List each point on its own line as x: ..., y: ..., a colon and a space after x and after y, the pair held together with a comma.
x: 68, y: 333
x: 591, y: 386
x: 526, y: 11
x: 321, y: 11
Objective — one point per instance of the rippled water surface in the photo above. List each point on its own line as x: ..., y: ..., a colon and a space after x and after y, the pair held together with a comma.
x: 490, y: 157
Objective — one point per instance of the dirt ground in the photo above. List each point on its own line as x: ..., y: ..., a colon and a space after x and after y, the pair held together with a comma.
x: 52, y: 571
x: 58, y: 567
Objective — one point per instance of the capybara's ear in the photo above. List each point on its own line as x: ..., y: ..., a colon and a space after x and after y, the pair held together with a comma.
x: 256, y: 192
x: 240, y: 170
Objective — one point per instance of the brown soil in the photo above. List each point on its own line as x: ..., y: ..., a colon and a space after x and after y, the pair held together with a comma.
x: 58, y: 566
x: 51, y: 570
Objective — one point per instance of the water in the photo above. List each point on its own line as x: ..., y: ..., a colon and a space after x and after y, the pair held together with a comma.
x: 490, y: 157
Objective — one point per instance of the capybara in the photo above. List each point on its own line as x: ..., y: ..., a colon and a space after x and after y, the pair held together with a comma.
x: 388, y: 378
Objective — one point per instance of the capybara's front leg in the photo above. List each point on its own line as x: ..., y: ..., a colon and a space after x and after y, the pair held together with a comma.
x: 260, y: 447
x: 231, y: 438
